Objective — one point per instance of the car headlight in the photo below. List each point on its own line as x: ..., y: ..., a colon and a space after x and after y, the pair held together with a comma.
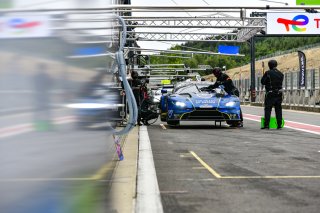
x: 180, y: 104
x: 230, y: 104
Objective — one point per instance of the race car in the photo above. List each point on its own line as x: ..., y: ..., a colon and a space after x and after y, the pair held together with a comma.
x: 191, y: 101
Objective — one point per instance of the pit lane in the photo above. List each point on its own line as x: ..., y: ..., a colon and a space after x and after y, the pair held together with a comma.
x: 206, y: 168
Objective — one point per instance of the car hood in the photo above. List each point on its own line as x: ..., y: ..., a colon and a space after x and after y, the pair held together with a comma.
x: 206, y: 100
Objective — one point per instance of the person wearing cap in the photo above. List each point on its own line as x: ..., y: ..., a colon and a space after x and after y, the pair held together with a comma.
x: 225, y: 80
x: 272, y: 80
x: 229, y: 87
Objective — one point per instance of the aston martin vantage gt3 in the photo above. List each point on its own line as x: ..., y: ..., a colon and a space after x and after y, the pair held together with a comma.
x: 191, y: 101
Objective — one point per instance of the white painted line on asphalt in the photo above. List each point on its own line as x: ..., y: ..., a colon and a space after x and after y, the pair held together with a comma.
x: 29, y: 127
x: 163, y: 126
x: 287, y: 110
x: 303, y: 130
x: 287, y: 126
x: 148, y: 194
x: 311, y: 125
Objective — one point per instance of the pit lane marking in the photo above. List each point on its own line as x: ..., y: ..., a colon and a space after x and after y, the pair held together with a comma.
x: 211, y: 170
x: 218, y: 176
x: 287, y: 110
x: 29, y: 127
x: 289, y: 124
x: 163, y: 126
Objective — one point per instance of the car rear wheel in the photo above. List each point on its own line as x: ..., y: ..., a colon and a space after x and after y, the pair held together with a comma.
x: 173, y: 123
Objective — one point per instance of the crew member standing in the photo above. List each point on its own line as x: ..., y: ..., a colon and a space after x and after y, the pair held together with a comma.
x: 272, y: 79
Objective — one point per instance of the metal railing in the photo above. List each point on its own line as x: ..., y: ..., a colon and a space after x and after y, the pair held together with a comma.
x: 293, y: 95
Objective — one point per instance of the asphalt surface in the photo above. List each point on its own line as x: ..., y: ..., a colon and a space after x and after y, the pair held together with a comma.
x: 205, y: 168
x: 200, y: 167
x: 60, y: 169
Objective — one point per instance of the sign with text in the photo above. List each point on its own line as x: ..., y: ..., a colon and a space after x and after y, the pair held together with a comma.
x: 293, y: 24
x: 25, y: 27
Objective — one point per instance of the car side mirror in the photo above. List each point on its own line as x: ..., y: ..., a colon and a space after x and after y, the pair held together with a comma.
x: 164, y: 91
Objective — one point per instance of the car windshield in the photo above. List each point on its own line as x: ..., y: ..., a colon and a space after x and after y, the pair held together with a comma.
x: 191, y: 88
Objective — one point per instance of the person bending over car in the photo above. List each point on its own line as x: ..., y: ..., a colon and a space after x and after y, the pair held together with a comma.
x: 224, y: 80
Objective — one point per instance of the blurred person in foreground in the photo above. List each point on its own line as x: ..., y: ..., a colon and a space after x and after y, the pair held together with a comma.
x: 272, y: 80
x: 42, y: 87
x: 224, y: 80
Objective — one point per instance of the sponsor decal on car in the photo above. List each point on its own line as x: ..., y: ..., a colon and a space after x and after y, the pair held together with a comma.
x: 210, y: 101
x: 205, y: 106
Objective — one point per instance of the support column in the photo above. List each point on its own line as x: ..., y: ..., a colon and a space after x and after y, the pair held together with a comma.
x: 253, y: 71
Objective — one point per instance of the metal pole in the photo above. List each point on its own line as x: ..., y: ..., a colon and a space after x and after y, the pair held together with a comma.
x: 253, y: 76
x: 168, y: 8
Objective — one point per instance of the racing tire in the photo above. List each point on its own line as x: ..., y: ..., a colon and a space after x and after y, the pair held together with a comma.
x: 163, y: 118
x: 235, y: 123
x: 173, y: 123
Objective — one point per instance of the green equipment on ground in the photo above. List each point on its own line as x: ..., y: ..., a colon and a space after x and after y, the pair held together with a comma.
x: 273, y: 123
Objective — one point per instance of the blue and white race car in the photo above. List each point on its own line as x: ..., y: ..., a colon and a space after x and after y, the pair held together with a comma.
x: 189, y: 102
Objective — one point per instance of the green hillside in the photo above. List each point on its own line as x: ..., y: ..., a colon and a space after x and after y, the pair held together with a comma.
x: 264, y: 46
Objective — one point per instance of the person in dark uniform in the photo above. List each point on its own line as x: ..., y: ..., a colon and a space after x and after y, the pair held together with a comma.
x: 224, y: 80
x: 136, y: 89
x: 272, y: 79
